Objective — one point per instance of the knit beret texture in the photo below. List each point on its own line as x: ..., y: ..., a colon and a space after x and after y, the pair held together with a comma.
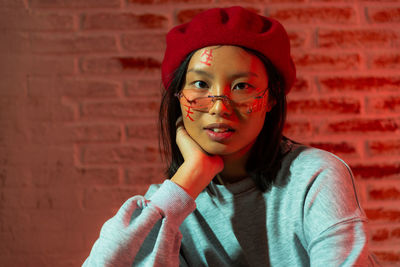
x: 229, y: 26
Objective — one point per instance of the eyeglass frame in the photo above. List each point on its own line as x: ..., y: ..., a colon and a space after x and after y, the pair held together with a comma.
x: 216, y: 97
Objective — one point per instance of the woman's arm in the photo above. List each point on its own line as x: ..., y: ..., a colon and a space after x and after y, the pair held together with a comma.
x: 144, y: 232
x: 334, y: 222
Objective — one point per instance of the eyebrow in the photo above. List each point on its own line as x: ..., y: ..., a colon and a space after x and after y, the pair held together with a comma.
x: 243, y: 74
x: 201, y: 72
x: 233, y: 77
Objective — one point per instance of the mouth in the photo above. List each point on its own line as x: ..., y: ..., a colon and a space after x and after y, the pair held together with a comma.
x: 219, y: 128
x: 219, y: 132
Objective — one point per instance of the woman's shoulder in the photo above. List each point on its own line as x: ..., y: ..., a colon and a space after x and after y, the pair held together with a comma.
x: 304, y: 156
x: 304, y: 165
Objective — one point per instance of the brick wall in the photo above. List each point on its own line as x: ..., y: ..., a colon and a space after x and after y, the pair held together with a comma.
x: 79, y: 94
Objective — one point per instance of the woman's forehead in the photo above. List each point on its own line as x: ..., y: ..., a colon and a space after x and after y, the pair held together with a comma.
x: 226, y: 59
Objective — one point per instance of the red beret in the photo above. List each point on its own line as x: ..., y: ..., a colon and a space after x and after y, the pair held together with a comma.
x: 229, y: 26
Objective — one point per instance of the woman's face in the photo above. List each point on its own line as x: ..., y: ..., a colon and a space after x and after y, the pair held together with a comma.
x: 219, y: 70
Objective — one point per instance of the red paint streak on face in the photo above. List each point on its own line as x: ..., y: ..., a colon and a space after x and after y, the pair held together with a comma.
x: 188, y: 112
x: 258, y: 105
x: 206, y: 57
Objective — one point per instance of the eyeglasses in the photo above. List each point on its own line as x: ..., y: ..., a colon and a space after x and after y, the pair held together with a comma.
x: 199, y: 100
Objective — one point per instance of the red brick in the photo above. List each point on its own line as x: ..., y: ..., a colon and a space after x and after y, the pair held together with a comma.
x: 32, y: 21
x: 34, y: 108
x: 74, y: 3
x: 144, y: 176
x: 395, y: 233
x: 385, y: 104
x: 146, y: 131
x: 376, y: 170
x: 122, y: 110
x: 297, y: 39
x: 327, y: 62
x: 154, y: 2
x: 186, y: 15
x: 364, y: 126
x: 387, y: 256
x: 370, y: 83
x: 333, y: 1
x: 73, y: 89
x: 13, y: 177
x: 15, y: 221
x: 80, y: 44
x: 240, y: 2
x: 384, y: 147
x: 118, y: 65
x: 97, y: 133
x: 12, y: 4
x: 107, y: 198
x: 380, y: 235
x: 382, y: 214
x: 385, y: 234
x: 123, y: 21
x: 143, y: 88
x: 39, y: 199
x: 386, y: 61
x: 118, y: 154
x: 97, y: 176
x: 296, y: 127
x: 336, y: 148
x: 15, y: 42
x: 64, y: 113
x: 37, y: 65
x: 44, y: 133
x: 88, y: 89
x: 389, y: 193
x: 324, y: 15
x: 49, y: 65
x: 300, y: 86
x: 364, y: 38
x: 52, y: 22
x: 286, y: 1
x: 384, y: 14
x: 144, y: 42
x: 324, y: 106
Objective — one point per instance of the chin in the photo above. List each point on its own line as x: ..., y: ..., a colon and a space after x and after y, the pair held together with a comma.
x: 221, y: 149
x: 218, y: 149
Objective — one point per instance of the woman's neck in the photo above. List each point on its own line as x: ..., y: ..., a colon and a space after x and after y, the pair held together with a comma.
x: 235, y: 166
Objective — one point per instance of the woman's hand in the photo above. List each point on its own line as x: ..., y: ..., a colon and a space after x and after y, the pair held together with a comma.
x: 199, y: 167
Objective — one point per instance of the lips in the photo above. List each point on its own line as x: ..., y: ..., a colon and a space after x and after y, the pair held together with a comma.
x: 219, y: 132
x: 219, y: 127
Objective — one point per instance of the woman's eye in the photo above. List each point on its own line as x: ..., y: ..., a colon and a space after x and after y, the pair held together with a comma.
x: 242, y: 86
x: 200, y: 84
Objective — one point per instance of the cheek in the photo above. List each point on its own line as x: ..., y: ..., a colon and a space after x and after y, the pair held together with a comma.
x: 191, y: 120
x: 260, y: 105
x: 255, y: 122
x: 188, y: 113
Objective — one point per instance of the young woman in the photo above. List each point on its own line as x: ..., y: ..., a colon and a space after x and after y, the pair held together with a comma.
x: 238, y: 193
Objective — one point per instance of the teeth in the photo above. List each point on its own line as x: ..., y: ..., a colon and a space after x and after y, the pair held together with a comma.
x: 219, y: 130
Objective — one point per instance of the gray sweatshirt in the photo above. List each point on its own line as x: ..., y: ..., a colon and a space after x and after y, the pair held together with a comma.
x: 311, y: 216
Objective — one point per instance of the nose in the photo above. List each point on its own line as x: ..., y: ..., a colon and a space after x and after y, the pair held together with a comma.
x: 220, y: 106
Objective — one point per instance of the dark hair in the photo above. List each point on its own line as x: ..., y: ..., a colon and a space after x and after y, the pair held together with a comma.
x: 265, y: 156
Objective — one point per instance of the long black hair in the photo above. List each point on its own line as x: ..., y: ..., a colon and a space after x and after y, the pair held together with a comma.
x: 265, y: 156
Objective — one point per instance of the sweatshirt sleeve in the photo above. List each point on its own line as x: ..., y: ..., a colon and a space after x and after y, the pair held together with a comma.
x: 144, y: 232
x: 334, y: 222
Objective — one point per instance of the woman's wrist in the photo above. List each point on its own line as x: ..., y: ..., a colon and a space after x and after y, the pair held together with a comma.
x: 193, y: 179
